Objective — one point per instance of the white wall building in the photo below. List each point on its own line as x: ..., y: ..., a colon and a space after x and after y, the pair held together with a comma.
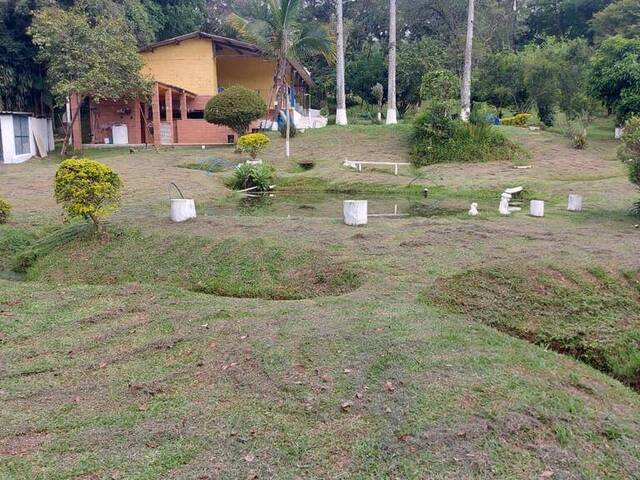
x: 18, y: 133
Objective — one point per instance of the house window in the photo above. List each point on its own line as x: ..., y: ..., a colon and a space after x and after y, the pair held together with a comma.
x: 21, y: 134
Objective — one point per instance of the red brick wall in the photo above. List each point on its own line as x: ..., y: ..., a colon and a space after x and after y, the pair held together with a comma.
x: 105, y: 115
x: 195, y: 130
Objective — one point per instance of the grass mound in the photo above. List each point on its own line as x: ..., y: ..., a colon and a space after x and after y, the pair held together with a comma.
x: 233, y: 268
x: 438, y: 138
x: 592, y: 314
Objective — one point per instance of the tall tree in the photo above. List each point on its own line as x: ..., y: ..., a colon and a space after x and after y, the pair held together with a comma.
x: 615, y: 75
x: 277, y: 27
x: 465, y: 88
x: 341, y: 107
x: 561, y: 18
x: 21, y: 77
x: 619, y: 18
x: 86, y: 58
x: 392, y: 113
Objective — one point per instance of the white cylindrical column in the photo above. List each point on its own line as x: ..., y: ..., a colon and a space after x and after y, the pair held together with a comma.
x: 182, y: 209
x: 355, y: 212
x: 575, y: 203
x: 536, y: 208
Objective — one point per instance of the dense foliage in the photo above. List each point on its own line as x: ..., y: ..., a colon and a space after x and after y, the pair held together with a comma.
x: 615, y: 75
x: 21, y: 78
x: 253, y: 144
x: 5, y: 210
x: 630, y: 152
x: 86, y: 188
x: 439, y: 85
x: 533, y: 57
x: 235, y: 108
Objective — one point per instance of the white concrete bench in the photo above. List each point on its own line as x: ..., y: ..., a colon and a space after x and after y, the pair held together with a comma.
x: 358, y: 164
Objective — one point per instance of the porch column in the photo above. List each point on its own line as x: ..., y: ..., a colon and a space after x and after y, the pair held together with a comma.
x: 136, y: 135
x: 76, y: 129
x: 168, y: 105
x: 155, y: 112
x: 183, y: 106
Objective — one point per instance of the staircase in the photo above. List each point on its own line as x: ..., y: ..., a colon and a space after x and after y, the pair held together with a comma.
x: 308, y: 119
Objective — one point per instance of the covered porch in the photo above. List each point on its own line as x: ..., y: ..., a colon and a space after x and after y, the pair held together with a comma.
x: 174, y: 116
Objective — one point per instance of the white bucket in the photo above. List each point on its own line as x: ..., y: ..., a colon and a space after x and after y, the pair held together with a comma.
x: 182, y: 209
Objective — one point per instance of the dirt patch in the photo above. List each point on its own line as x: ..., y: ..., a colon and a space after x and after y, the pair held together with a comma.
x: 22, y: 445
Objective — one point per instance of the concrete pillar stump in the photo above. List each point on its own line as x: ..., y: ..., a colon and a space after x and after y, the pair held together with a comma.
x: 536, y: 208
x: 355, y: 212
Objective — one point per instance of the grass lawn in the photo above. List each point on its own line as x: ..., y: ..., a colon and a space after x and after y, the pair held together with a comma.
x: 275, y: 342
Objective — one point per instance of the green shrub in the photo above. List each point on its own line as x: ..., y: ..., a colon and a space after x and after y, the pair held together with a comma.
x: 87, y: 189
x: 249, y: 176
x: 629, y: 153
x: 5, y: 210
x: 576, y: 131
x: 253, y: 144
x: 235, y: 108
x: 439, y: 85
x: 518, y: 120
x: 437, y: 138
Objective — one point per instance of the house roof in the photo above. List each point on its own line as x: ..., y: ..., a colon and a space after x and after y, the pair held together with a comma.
x: 227, y: 42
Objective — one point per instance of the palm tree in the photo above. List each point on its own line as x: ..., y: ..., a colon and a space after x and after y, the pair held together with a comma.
x: 392, y: 115
x: 341, y: 110
x: 465, y: 88
x: 277, y: 28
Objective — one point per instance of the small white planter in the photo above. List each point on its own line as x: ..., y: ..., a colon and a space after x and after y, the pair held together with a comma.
x: 536, y: 208
x: 575, y: 203
x: 619, y: 132
x: 182, y: 209
x: 355, y: 212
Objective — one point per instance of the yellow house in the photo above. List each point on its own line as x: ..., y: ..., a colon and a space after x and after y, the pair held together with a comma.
x: 187, y: 71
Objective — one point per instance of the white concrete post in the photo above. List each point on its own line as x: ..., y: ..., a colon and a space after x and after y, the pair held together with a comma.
x: 182, y: 209
x: 575, y: 203
x: 536, y: 208
x: 355, y: 212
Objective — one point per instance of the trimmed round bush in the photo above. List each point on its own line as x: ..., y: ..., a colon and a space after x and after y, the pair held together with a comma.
x: 86, y: 188
x: 235, y: 108
x: 5, y: 210
x: 253, y: 144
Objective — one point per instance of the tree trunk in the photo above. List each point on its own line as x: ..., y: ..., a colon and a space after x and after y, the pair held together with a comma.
x: 287, y: 143
x: 341, y: 109
x: 69, y: 128
x: 465, y: 89
x: 392, y: 114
